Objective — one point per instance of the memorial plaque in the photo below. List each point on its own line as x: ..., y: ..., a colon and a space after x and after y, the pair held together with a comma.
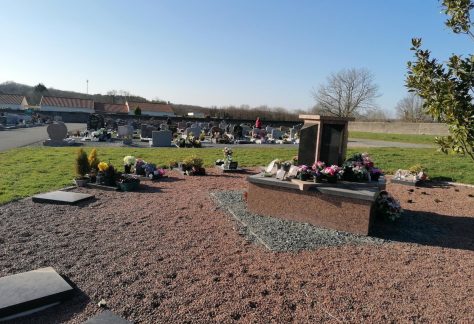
x: 307, y: 148
x: 331, y: 144
x: 28, y: 290
x: 293, y: 171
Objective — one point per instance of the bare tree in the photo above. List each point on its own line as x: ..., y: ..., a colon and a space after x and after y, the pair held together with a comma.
x: 410, y: 109
x: 347, y: 93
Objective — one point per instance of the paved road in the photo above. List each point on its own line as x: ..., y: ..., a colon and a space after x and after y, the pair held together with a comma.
x: 26, y: 136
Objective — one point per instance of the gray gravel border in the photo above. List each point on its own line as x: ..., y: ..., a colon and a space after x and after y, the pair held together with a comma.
x: 283, y: 235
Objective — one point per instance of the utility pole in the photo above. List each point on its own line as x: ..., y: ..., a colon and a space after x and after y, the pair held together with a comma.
x: 87, y: 86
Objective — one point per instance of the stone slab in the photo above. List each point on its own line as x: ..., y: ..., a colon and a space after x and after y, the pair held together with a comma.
x: 61, y: 197
x: 102, y: 187
x: 107, y: 317
x: 237, y: 170
x: 32, y: 289
x: 353, y: 190
x: 313, y: 207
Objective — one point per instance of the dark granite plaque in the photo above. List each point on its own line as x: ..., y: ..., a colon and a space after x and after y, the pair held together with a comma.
x: 61, y: 197
x: 107, y: 317
x: 33, y: 289
x: 307, y: 147
x: 331, y: 144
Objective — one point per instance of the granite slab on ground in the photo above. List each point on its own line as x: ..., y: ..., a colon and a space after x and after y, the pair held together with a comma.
x: 25, y: 291
x: 61, y: 197
x: 283, y: 235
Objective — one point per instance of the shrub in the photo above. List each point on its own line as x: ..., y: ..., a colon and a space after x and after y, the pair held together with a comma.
x: 82, y: 163
x: 93, y: 160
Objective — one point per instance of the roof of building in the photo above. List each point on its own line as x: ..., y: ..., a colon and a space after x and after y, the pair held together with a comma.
x: 67, y: 102
x: 110, y: 108
x: 11, y: 99
x: 150, y: 107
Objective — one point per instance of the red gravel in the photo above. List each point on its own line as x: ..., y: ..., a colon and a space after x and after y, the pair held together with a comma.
x: 167, y: 254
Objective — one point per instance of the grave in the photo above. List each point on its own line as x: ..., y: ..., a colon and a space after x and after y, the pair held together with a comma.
x: 33, y: 289
x: 277, y: 134
x: 146, y: 132
x: 57, y: 132
x: 323, y: 138
x: 195, y: 130
x: 161, y: 138
x: 126, y: 133
x: 61, y: 197
x: 107, y: 317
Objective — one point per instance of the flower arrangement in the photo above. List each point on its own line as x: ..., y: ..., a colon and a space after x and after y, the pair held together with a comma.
x: 93, y: 160
x: 360, y: 167
x: 128, y: 182
x: 128, y: 162
x: 227, y: 156
x: 317, y: 169
x: 193, y: 165
x: 332, y: 173
x: 189, y: 141
x: 286, y: 165
x: 295, y: 160
x: 304, y: 172
x: 139, y: 167
x: 387, y: 207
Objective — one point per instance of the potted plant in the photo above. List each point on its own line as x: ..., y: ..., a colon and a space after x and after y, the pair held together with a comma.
x: 139, y: 167
x: 128, y: 161
x: 128, y: 182
x: 303, y: 173
x: 193, y: 166
x: 317, y: 169
x: 93, y: 164
x: 100, y: 178
x: 286, y: 166
x: 82, y: 168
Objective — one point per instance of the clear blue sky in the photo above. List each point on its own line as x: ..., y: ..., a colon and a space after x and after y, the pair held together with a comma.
x: 217, y: 52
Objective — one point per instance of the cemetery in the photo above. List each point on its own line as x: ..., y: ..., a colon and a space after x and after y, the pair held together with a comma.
x: 139, y: 239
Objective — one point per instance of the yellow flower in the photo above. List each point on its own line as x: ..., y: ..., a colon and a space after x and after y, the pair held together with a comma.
x: 103, y: 166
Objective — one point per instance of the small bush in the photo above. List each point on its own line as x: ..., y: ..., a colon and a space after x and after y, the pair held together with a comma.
x: 82, y: 163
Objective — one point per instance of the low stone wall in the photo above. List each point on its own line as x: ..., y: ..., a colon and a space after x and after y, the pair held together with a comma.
x: 399, y: 128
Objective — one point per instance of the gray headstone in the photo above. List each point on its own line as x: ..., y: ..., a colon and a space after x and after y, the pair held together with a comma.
x: 146, y: 132
x: 61, y: 197
x: 57, y: 131
x: 293, y: 133
x: 276, y: 134
x: 32, y: 289
x: 195, y: 130
x: 125, y: 131
x: 107, y: 317
x: 269, y: 129
x: 161, y: 138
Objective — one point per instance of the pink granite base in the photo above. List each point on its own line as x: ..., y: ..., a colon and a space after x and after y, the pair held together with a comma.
x: 334, y: 212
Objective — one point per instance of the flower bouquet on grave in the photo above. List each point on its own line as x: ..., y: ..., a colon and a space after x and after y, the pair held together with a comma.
x: 110, y: 176
x: 100, y: 177
x: 317, y: 169
x: 387, y: 207
x: 128, y: 182
x: 286, y: 166
x: 332, y: 173
x: 128, y: 162
x: 360, y: 168
x: 139, y: 167
x: 304, y: 172
x: 227, y: 157
x: 193, y: 166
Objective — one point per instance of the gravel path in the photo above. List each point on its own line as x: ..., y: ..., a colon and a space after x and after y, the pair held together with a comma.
x: 169, y: 254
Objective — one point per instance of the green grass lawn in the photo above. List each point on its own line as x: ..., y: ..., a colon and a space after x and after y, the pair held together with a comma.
x: 404, y: 138
x: 30, y: 170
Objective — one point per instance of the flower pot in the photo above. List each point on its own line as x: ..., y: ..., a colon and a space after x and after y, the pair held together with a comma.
x: 81, y: 182
x: 317, y: 179
x: 129, y: 186
x: 303, y: 176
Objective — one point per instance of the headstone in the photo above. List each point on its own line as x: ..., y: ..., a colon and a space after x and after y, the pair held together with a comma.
x: 161, y: 138
x: 237, y: 131
x: 308, y: 136
x: 277, y: 134
x: 196, y: 131
x: 269, y: 129
x: 57, y: 131
x: 28, y: 290
x: 61, y: 197
x: 124, y: 131
x: 146, y: 131
x: 107, y: 317
x: 293, y: 133
x: 245, y: 130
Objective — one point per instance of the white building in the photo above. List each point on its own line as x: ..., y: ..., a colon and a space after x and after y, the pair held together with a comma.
x: 150, y: 109
x: 60, y: 104
x: 15, y: 102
